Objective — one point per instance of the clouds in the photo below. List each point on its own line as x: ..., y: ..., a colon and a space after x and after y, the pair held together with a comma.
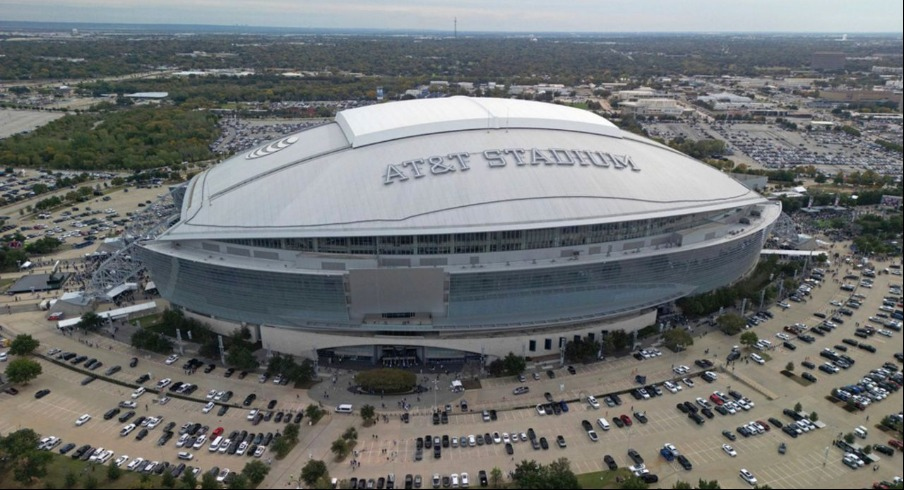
x: 833, y: 16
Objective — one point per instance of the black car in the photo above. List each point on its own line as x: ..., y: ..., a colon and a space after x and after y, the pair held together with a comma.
x: 223, y: 409
x: 142, y: 379
x: 81, y: 451
x: 789, y: 345
x: 696, y: 417
x: 111, y: 413
x: 641, y: 417
x: 886, y: 450
x: 298, y: 417
x: 544, y: 443
x: 616, y: 399
x: 709, y: 413
x: 88, y: 379
x: 531, y: 434
x: 618, y: 422
x: 635, y: 456
x: 684, y: 462
x: 229, y: 372
x: 550, y: 373
x: 66, y: 448
x: 271, y: 404
x: 141, y: 434
x: 808, y: 365
x: 133, y: 362
x: 610, y: 462
x: 113, y: 370
x: 226, y: 397
x: 482, y: 476
x: 243, y: 374
x: 649, y: 478
x: 680, y: 406
x: 703, y: 363
x: 776, y: 422
x: 210, y: 367
x: 509, y: 449
x: 435, y: 418
x: 572, y: 370
x: 41, y: 393
x: 249, y: 400
x: 729, y: 435
x: 809, y: 377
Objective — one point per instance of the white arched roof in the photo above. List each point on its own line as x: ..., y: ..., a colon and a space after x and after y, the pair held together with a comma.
x: 446, y: 166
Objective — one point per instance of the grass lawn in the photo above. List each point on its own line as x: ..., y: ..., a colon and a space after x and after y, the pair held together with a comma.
x: 6, y: 283
x: 147, y: 321
x: 602, y: 479
x: 61, y: 465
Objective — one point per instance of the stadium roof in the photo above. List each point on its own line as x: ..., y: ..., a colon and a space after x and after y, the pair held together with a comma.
x: 447, y: 166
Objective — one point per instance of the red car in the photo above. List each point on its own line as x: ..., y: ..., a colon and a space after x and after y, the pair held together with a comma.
x: 896, y: 444
x: 716, y: 399
x: 216, y: 433
x: 626, y: 420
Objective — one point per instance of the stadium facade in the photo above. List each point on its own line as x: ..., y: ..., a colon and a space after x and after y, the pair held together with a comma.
x: 447, y: 228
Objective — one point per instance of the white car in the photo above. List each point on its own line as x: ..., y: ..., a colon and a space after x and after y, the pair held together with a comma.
x: 242, y: 448
x: 163, y: 383
x: 886, y: 333
x: 135, y: 463
x: 184, y: 455
x: 672, y: 387
x: 465, y: 482
x: 253, y: 413
x: 729, y: 450
x: 540, y: 409
x: 681, y: 370
x: 260, y: 451
x: 497, y: 439
x: 748, y: 476
x: 96, y: 454
x: 199, y: 442
x: 211, y: 394
x: 105, y: 456
x: 783, y: 336
x: 171, y: 359
x: 207, y: 408
x: 163, y: 400
x: 757, y: 359
x: 82, y: 420
x: 223, y: 474
x: 127, y: 429
x: 138, y: 392
x: 689, y: 382
x: 121, y: 460
x: 505, y: 438
x: 590, y: 399
x: 182, y: 440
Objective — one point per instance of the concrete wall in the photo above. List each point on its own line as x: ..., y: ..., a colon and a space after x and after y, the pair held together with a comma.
x: 302, y: 343
x: 223, y: 327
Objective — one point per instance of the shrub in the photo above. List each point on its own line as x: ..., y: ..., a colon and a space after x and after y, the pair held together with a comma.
x: 386, y: 380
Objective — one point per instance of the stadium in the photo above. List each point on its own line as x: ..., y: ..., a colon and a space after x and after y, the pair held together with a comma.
x: 450, y: 229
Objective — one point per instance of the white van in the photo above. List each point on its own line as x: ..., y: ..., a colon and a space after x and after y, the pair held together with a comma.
x: 215, y: 444
x: 344, y: 408
x: 861, y: 432
x: 603, y: 423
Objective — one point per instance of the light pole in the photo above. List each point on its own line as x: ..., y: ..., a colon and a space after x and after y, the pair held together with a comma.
x: 435, y: 390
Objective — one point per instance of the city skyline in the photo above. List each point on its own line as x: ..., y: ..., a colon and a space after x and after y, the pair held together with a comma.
x: 588, y: 16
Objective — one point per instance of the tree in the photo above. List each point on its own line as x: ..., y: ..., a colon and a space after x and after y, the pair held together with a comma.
x: 90, y: 322
x: 241, y: 357
x: 238, y: 482
x: 291, y: 432
x: 168, y: 480
x: 22, y: 370
x: 312, y: 471
x: 313, y: 413
x: 849, y: 438
x: 731, y: 323
x: 209, y: 481
x: 114, y: 472
x: 814, y: 416
x: 69, y: 480
x: 677, y: 339
x: 369, y: 414
x: 749, y: 338
x: 189, y: 480
x: 681, y: 485
x: 798, y: 407
x: 514, y: 365
x: 495, y: 477
x: 23, y: 344
x: 708, y: 484
x: 790, y: 366
x: 340, y: 448
x: 255, y: 471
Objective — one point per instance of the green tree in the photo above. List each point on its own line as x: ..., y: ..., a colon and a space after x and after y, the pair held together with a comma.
x: 238, y: 482
x: 749, y: 338
x: 255, y: 471
x: 790, y: 366
x: 189, y: 481
x: 731, y: 323
x: 814, y: 416
x: 90, y: 482
x: 681, y: 485
x: 313, y: 413
x: 22, y: 370
x: 241, y: 357
x: 292, y: 431
x: 90, y: 322
x: 312, y: 471
x: 676, y: 337
x: 168, y: 480
x: 340, y: 448
x: 369, y: 414
x: 798, y: 407
x: 23, y: 344
x: 209, y: 481
x: 708, y: 484
x: 114, y: 472
x: 495, y: 477
x: 514, y: 365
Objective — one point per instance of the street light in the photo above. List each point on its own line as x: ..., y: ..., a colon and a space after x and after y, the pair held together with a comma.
x: 435, y: 390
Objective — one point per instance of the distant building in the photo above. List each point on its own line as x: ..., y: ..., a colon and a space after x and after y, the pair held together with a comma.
x: 147, y: 95
x: 654, y: 107
x: 827, y: 61
x: 750, y: 181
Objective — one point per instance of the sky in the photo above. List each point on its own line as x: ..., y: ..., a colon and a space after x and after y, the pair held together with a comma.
x: 827, y: 16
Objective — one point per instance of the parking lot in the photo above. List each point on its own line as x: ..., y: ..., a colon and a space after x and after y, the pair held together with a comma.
x: 388, y: 447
